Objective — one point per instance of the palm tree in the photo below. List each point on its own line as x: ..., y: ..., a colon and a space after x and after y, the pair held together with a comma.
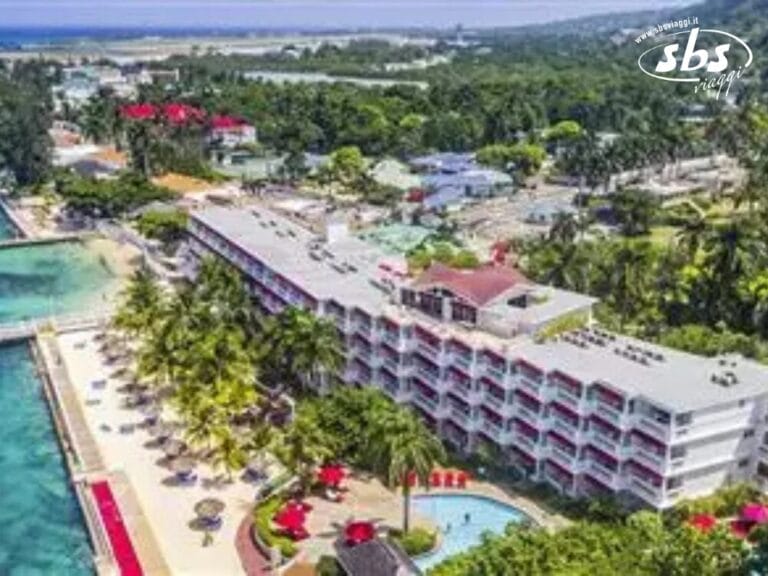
x: 228, y: 452
x: 402, y: 446
x: 299, y: 347
x: 302, y: 448
x: 564, y: 228
x: 142, y: 304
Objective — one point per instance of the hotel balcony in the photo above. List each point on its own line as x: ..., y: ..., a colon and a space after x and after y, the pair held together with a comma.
x: 608, y: 445
x: 576, y: 403
x: 564, y: 457
x: 605, y: 476
x: 499, y: 434
x: 527, y: 415
x: 431, y: 405
x: 464, y: 420
x: 659, y: 430
x: 432, y: 380
x: 656, y: 462
x: 396, y: 367
x: 564, y: 427
x: 471, y: 395
x: 528, y: 445
x: 538, y: 390
x: 395, y: 340
x: 436, y: 355
x: 645, y: 489
x: 503, y: 408
x: 496, y: 375
x: 397, y: 391
x: 613, y: 415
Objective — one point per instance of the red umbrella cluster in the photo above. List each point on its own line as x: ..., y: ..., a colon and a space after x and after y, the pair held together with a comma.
x: 703, y: 522
x: 359, y: 532
x: 291, y: 518
x: 331, y: 475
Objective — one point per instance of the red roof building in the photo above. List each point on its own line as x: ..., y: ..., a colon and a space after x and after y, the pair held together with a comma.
x: 478, y: 286
x: 230, y: 131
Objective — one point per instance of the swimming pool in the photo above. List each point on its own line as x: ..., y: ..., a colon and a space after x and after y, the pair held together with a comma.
x: 448, y: 512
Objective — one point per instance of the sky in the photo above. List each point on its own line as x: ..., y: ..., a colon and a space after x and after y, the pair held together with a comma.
x: 307, y: 13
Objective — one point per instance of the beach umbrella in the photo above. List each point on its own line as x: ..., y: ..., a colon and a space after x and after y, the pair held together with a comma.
x: 174, y: 447
x: 359, y: 532
x: 160, y: 430
x: 703, y: 522
x: 209, y: 507
x: 331, y: 475
x: 290, y: 517
x: 755, y: 513
x: 182, y: 465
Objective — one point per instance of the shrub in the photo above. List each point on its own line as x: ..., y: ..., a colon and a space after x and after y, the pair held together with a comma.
x: 328, y: 566
x: 416, y: 542
x: 263, y: 524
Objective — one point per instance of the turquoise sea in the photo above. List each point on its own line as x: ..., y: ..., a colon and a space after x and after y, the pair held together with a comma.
x: 46, y: 279
x: 41, y: 528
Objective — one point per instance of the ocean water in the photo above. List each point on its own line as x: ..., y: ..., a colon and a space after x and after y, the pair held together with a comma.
x: 41, y: 528
x: 52, y: 279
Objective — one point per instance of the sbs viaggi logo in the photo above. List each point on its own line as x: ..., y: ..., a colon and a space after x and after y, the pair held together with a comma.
x: 710, y: 59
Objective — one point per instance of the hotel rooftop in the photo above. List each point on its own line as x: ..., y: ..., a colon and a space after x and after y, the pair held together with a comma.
x: 354, y: 273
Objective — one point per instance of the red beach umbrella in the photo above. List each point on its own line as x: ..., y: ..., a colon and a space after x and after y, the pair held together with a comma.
x: 755, y: 513
x: 290, y: 517
x: 359, y: 532
x: 703, y: 522
x: 331, y: 475
x: 740, y: 529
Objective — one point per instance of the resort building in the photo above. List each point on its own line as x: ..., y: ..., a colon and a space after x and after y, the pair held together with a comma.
x: 231, y: 132
x: 585, y: 410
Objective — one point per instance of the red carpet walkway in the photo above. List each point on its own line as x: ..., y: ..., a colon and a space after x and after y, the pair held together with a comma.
x: 122, y: 547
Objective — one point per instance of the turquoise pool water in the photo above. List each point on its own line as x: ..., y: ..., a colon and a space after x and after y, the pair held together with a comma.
x: 41, y: 529
x: 42, y: 280
x: 449, y: 511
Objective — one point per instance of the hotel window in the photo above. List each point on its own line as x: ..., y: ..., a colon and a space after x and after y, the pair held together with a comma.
x: 675, y: 482
x: 678, y: 452
x: 748, y: 433
x: 683, y: 419
x: 744, y: 463
x: 762, y: 469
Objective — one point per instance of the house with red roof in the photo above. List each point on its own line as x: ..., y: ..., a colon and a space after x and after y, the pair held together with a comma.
x: 230, y: 132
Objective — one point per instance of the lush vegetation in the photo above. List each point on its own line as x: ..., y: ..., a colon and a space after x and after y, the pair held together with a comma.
x: 262, y: 523
x: 363, y: 427
x: 166, y: 226
x: 108, y: 198
x: 26, y: 113
x: 443, y: 252
x: 416, y: 542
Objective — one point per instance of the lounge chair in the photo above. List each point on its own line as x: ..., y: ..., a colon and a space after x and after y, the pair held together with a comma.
x: 186, y: 479
x: 461, y: 480
x: 99, y: 384
x: 434, y: 480
x: 448, y: 480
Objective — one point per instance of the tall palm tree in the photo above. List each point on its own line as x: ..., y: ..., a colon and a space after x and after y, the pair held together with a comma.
x: 302, y: 448
x: 142, y: 304
x: 402, y: 446
x: 299, y: 347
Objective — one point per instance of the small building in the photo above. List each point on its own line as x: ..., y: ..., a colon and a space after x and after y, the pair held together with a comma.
x: 443, y: 163
x: 545, y: 213
x: 448, y: 188
x: 374, y: 558
x: 231, y: 132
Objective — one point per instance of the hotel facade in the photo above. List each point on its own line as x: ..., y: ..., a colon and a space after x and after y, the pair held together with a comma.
x: 586, y: 410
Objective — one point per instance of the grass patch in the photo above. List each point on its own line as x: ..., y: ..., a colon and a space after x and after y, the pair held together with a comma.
x: 416, y: 542
x: 263, y: 524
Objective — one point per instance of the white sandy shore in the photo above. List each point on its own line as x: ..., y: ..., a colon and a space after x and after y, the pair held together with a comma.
x: 168, y: 509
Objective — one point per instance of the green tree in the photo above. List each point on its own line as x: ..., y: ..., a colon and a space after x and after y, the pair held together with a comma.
x: 402, y: 445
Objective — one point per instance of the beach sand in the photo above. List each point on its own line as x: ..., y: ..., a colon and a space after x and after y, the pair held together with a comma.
x: 169, y: 509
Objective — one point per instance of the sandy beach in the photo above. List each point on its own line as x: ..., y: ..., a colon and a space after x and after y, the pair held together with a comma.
x: 168, y: 508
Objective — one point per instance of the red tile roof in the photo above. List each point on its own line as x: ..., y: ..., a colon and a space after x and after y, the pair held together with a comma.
x: 478, y: 286
x: 222, y: 122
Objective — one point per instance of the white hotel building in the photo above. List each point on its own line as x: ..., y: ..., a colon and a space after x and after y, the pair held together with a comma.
x: 587, y: 411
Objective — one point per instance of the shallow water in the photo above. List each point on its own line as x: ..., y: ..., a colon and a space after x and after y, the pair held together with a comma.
x: 52, y: 279
x: 41, y: 527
